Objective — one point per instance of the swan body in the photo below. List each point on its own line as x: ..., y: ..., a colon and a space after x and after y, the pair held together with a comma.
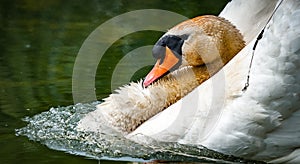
x: 261, y: 123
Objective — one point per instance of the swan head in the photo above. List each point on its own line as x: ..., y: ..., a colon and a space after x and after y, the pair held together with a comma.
x: 196, y: 42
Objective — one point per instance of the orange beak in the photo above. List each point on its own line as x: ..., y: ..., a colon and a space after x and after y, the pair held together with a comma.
x: 159, y: 70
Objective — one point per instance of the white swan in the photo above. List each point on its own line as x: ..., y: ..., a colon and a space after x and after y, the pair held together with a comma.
x: 261, y: 123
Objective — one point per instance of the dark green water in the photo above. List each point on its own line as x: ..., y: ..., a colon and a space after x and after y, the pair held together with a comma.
x: 39, y: 43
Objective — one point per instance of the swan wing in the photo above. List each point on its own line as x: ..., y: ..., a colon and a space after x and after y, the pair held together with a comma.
x: 262, y: 122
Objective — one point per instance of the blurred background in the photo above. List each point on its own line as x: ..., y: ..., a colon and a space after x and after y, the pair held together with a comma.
x: 39, y: 43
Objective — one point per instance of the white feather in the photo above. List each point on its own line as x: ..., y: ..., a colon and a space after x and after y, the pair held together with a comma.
x: 261, y: 123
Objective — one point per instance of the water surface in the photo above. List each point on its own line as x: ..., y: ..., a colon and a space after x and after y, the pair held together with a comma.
x: 56, y: 129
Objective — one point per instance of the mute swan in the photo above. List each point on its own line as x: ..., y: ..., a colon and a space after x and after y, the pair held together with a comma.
x: 261, y: 123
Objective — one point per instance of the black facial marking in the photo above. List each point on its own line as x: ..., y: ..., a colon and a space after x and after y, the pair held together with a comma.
x: 173, y: 42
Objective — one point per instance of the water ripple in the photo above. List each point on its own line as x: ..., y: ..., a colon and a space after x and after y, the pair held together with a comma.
x: 56, y: 129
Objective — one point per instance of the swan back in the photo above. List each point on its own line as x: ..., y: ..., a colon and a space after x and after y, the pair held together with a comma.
x: 249, y: 17
x: 261, y: 123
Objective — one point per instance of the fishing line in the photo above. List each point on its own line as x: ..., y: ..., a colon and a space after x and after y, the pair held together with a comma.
x: 260, y: 35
